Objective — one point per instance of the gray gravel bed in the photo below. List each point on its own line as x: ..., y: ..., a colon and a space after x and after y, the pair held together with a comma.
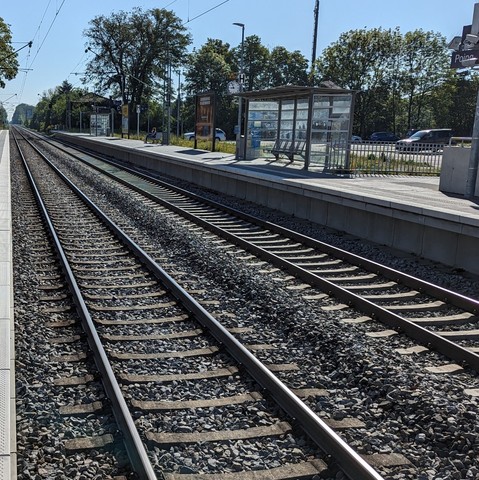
x: 192, y: 390
x: 235, y: 456
x: 424, y: 416
x: 41, y: 430
x: 134, y: 329
x: 158, y: 346
x: 177, y: 367
x: 466, y: 283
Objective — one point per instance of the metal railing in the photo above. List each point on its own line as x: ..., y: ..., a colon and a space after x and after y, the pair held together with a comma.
x: 375, y: 158
x: 384, y: 158
x: 464, y: 140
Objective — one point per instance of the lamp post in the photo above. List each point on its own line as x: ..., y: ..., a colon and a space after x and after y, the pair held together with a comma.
x: 240, y: 98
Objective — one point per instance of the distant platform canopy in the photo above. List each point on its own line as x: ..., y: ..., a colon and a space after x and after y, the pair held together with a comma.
x: 309, y: 123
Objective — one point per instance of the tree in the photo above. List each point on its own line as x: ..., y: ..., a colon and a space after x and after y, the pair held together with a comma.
x: 3, y: 115
x: 286, y: 68
x: 22, y: 114
x: 357, y: 62
x: 209, y: 69
x: 425, y: 66
x: 256, y: 56
x: 394, y: 76
x: 8, y: 57
x: 133, y: 52
x: 60, y: 106
x: 453, y: 104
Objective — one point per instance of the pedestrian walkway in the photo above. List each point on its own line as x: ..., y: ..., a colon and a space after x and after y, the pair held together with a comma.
x: 406, y: 213
x: 7, y: 381
x: 395, y: 191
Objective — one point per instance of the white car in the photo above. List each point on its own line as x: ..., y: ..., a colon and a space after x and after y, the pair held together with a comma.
x: 220, y: 135
x: 356, y: 139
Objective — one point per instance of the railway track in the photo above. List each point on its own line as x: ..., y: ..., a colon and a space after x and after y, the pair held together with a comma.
x: 434, y: 316
x: 135, y: 314
x: 267, y: 242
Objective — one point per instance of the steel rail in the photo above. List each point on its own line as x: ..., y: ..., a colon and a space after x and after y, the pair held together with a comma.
x: 454, y: 298
x: 327, y: 440
x: 415, y: 331
x: 426, y: 337
x: 133, y: 444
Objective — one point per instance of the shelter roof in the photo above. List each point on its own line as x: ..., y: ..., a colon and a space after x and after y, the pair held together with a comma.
x: 92, y: 98
x: 295, y: 91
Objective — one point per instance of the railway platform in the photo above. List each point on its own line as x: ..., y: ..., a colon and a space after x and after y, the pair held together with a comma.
x: 7, y: 378
x: 406, y: 213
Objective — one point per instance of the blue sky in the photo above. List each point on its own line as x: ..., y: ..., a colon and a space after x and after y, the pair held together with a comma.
x: 56, y: 28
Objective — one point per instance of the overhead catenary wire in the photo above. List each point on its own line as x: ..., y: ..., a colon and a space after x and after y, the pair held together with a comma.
x: 28, y: 64
x: 40, y: 41
x: 48, y: 31
x: 206, y: 11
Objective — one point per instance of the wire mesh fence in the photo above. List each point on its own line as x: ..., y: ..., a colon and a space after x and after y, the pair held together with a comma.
x: 383, y: 158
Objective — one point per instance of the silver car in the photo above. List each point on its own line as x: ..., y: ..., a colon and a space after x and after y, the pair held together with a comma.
x: 219, y: 135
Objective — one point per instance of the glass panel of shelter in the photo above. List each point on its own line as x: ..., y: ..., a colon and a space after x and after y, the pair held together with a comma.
x: 330, y: 130
x: 262, y: 127
x: 285, y: 119
x: 301, y: 120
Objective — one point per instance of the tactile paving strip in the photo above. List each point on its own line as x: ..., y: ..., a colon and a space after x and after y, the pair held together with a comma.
x: 4, y: 417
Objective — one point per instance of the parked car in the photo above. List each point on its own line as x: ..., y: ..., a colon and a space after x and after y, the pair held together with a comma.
x: 411, y: 132
x: 433, y: 139
x: 219, y: 135
x: 356, y: 139
x: 384, y: 137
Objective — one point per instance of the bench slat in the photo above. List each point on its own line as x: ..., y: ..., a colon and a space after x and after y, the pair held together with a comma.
x: 288, y: 148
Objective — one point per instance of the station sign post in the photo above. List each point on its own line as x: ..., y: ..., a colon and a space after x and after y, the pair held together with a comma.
x: 466, y: 55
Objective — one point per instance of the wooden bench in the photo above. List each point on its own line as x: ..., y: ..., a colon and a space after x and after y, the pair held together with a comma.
x: 288, y: 148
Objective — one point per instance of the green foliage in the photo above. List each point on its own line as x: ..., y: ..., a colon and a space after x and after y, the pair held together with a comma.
x: 215, y: 64
x: 394, y: 76
x: 286, y: 68
x: 8, y: 57
x: 208, y: 68
x: 133, y: 52
x: 453, y: 104
x: 402, y: 81
x: 60, y: 107
x: 390, y: 164
x: 22, y: 114
x: 3, y: 115
x: 224, y: 147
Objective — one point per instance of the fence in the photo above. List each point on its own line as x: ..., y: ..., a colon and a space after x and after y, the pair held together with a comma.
x: 384, y: 158
x: 368, y: 157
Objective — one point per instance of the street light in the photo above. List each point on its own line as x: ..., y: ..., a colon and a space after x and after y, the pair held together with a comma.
x: 240, y: 98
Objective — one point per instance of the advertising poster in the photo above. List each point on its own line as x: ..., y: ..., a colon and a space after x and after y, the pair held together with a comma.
x: 205, y: 114
x: 124, y: 119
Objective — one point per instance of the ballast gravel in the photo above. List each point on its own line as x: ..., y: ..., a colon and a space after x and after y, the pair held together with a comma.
x: 426, y: 417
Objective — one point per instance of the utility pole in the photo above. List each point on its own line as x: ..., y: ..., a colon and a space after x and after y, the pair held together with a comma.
x: 315, y: 40
x: 178, y: 105
x: 240, y: 98
x: 471, y: 43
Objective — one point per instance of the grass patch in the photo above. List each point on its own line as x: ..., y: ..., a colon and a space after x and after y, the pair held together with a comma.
x: 223, y: 147
x: 391, y: 165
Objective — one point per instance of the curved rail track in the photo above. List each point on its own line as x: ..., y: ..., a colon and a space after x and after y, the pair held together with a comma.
x: 135, y: 314
x: 437, y: 318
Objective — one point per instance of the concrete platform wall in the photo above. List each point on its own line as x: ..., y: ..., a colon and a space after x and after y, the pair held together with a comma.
x: 454, y: 169
x: 8, y: 459
x: 437, y: 236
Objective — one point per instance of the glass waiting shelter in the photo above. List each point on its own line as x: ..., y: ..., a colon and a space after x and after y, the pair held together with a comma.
x: 309, y: 123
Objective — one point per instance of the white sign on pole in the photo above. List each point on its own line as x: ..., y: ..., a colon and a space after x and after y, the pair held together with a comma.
x: 474, y: 157
x: 475, y: 20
